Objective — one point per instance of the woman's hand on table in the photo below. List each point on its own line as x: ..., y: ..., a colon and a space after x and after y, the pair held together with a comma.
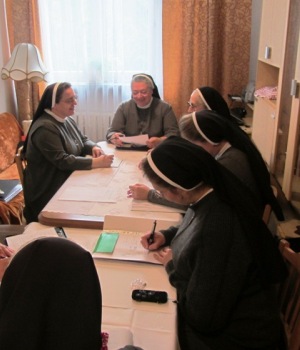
x: 155, y: 141
x: 5, y: 257
x: 104, y: 161
x: 4, y: 262
x: 164, y: 255
x: 138, y: 191
x: 5, y: 252
x: 97, y: 152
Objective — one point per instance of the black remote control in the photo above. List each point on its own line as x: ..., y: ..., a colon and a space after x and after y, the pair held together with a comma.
x: 152, y: 296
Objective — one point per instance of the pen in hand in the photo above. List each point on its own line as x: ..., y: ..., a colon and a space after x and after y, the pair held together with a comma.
x: 116, y: 137
x: 151, y: 237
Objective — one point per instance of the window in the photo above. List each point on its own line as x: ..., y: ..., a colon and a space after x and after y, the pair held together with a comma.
x: 97, y: 45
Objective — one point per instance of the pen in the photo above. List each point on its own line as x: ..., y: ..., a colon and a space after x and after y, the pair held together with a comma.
x: 115, y: 138
x: 60, y: 232
x: 151, y: 237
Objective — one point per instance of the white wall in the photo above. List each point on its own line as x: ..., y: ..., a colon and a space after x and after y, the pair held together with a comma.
x: 7, y: 95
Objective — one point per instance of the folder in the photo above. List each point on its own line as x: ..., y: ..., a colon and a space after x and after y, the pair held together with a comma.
x: 9, y: 189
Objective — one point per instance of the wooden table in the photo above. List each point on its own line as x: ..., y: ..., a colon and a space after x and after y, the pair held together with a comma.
x: 151, y: 325
x: 78, y: 202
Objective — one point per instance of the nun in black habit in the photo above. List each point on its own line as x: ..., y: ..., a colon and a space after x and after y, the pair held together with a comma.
x: 222, y: 259
x: 234, y: 149
x: 50, y: 298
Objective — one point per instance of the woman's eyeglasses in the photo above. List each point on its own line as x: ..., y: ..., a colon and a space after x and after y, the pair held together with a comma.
x: 71, y: 100
x: 196, y: 108
x: 142, y: 92
x: 191, y: 105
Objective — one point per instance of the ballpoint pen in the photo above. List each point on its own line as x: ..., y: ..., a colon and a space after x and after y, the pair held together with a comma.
x: 151, y: 237
x: 115, y: 138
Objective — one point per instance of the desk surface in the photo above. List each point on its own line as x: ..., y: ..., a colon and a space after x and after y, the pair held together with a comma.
x: 153, y: 326
x: 64, y: 209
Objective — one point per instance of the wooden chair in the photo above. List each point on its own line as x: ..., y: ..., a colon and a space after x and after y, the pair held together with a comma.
x: 289, y: 298
x: 21, y: 164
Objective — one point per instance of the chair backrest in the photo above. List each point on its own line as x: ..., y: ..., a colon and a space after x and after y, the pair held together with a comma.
x: 10, y: 136
x: 289, y: 296
x: 21, y: 164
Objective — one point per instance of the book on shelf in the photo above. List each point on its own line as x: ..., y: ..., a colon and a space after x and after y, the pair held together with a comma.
x: 9, y: 189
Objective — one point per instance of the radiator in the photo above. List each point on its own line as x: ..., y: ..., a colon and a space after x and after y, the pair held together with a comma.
x: 94, y: 126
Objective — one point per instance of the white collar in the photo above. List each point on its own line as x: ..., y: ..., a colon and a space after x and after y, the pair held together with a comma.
x: 203, y: 195
x: 223, y: 150
x: 145, y: 107
x: 56, y: 117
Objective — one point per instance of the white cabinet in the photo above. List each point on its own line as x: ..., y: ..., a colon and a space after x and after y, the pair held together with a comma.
x: 273, y: 31
x: 291, y: 178
x: 276, y: 124
x: 265, y: 115
x: 263, y: 128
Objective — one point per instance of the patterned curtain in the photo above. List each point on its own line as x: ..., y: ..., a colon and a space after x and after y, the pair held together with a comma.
x: 205, y: 42
x: 23, y: 27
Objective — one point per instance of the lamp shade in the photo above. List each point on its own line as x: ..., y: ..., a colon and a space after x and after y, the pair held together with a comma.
x: 25, y: 64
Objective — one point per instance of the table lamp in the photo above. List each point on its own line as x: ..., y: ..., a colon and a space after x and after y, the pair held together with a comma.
x: 25, y: 64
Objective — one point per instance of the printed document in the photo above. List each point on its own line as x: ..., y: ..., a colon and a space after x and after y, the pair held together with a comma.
x: 136, y: 140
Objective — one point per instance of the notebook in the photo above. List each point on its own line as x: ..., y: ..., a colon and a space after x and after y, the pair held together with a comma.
x: 121, y: 239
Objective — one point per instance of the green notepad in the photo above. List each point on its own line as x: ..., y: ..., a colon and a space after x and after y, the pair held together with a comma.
x: 106, y: 242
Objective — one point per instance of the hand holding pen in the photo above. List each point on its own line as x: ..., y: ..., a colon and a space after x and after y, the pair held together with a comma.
x: 151, y: 237
x: 115, y: 139
x: 157, y: 239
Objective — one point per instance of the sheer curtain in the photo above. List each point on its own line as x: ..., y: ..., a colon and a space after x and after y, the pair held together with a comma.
x: 97, y: 45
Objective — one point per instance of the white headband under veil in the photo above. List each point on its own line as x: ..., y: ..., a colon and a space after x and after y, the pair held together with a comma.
x: 54, y: 94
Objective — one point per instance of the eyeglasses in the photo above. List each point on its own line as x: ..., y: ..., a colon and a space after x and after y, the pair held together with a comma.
x: 142, y: 92
x: 191, y: 105
x: 196, y: 108
x: 71, y: 100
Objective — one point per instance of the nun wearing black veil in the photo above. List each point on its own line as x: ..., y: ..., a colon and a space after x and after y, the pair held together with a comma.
x: 54, y: 148
x: 208, y: 98
x: 144, y: 113
x: 50, y: 298
x: 222, y: 259
x: 233, y: 148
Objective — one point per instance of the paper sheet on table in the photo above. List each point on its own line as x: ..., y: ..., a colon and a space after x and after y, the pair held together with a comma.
x: 137, y: 140
x: 118, y: 337
x: 89, y: 194
x: 116, y: 162
x: 141, y: 205
x: 19, y: 241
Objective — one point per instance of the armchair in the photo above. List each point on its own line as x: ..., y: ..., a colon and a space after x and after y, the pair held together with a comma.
x: 10, y: 137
